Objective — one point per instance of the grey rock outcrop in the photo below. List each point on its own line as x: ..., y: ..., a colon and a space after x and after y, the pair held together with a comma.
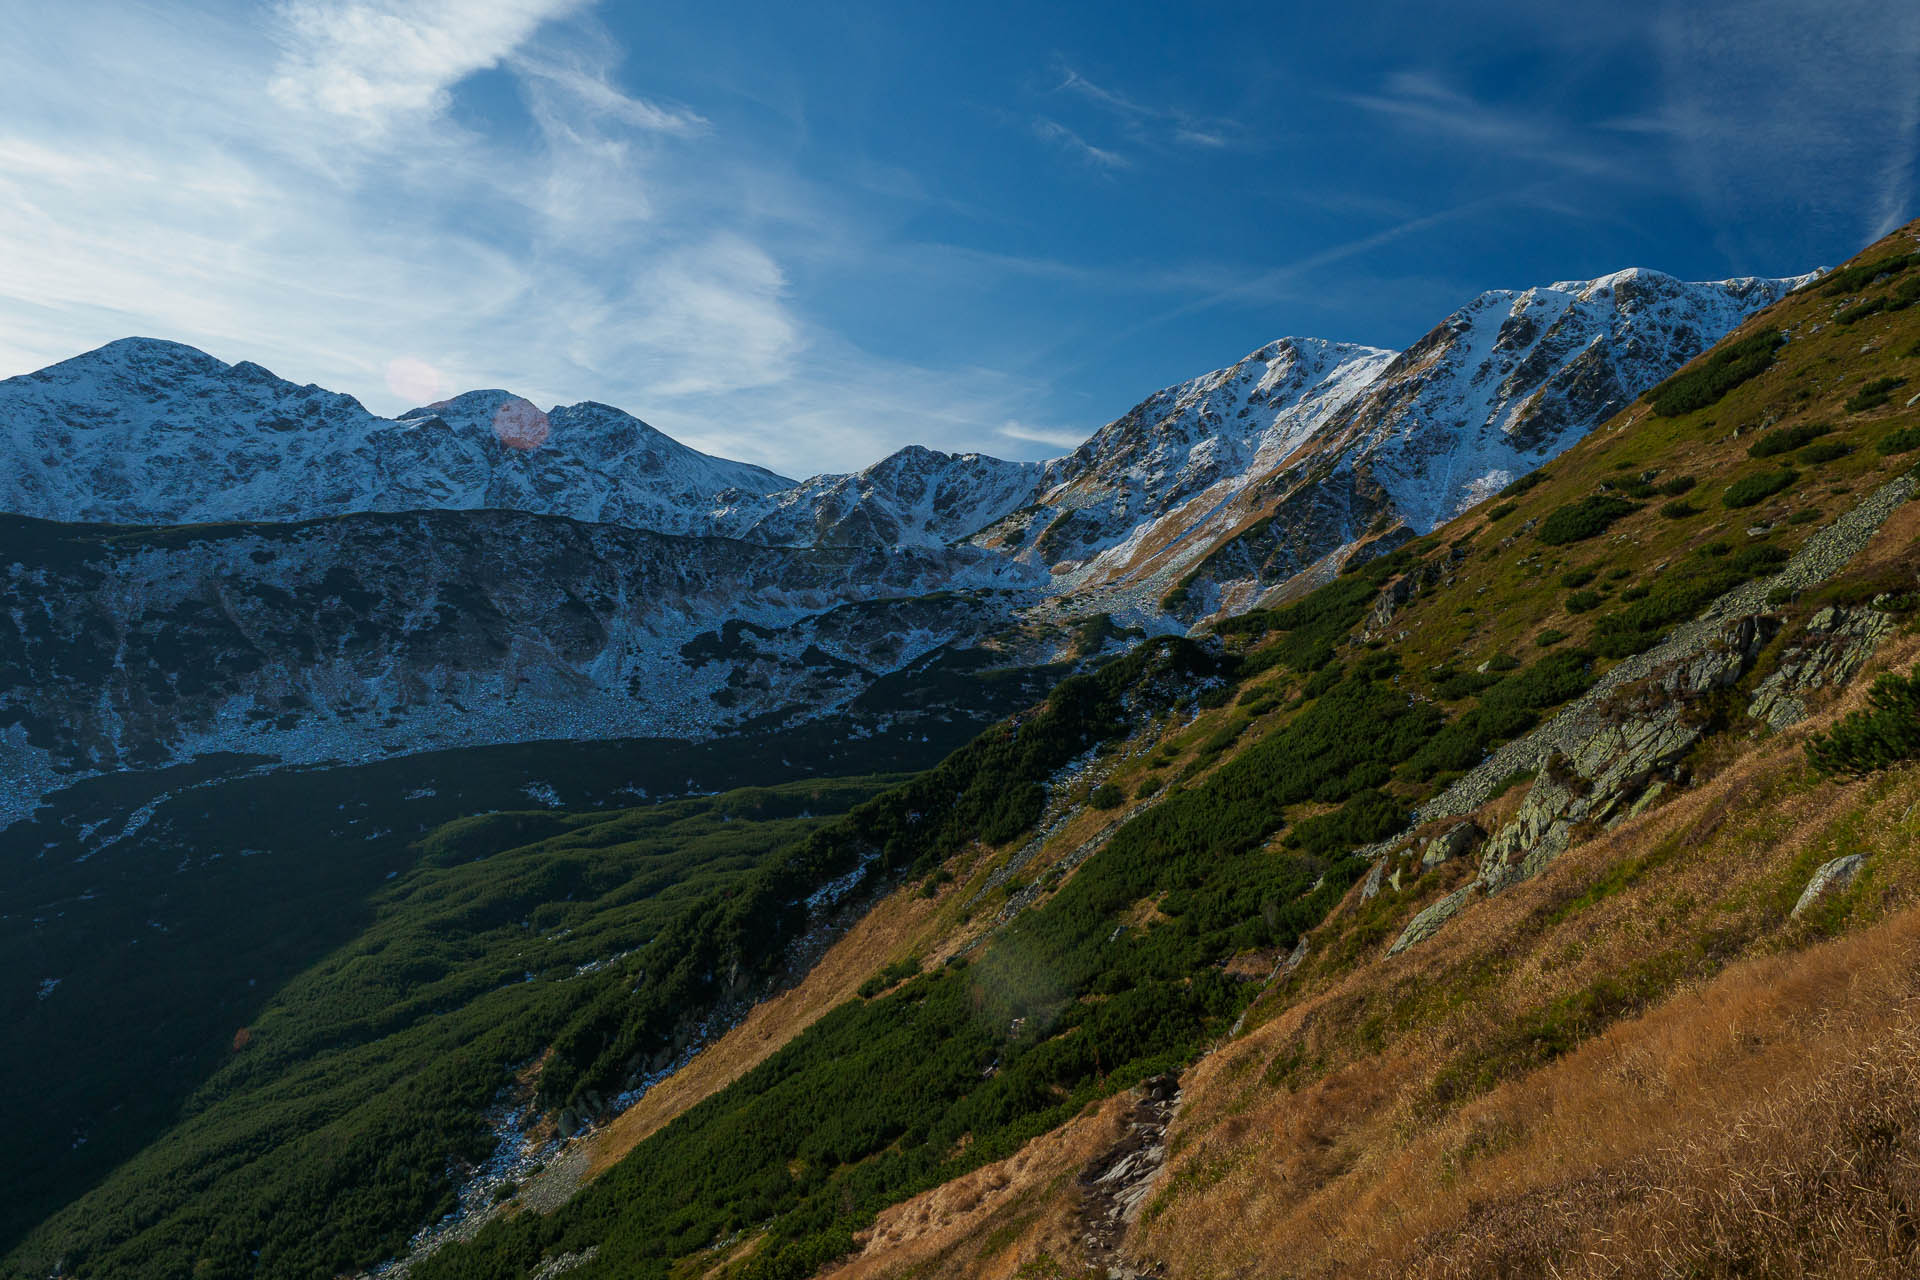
x: 1836, y: 643
x: 1618, y: 749
x: 1371, y: 889
x: 1449, y: 844
x: 1822, y: 556
x: 1831, y: 878
x: 1634, y: 742
x: 1428, y: 922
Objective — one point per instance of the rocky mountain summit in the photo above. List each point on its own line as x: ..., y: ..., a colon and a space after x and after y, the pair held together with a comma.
x: 1290, y: 456
x: 917, y: 497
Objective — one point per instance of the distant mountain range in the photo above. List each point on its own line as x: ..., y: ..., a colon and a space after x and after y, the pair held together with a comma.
x: 705, y: 595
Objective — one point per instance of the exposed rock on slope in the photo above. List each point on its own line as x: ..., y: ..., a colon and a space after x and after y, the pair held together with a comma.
x: 1513, y: 378
x: 1143, y: 481
x: 1617, y: 750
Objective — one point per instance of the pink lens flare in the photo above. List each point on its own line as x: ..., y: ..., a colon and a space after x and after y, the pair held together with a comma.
x: 518, y: 424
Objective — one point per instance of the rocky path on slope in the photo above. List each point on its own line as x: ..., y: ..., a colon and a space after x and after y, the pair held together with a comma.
x: 1114, y: 1185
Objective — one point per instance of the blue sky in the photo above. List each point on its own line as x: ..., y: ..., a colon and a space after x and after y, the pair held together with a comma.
x: 805, y: 235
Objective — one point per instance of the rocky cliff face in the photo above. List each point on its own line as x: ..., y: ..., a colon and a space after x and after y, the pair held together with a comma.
x: 1513, y: 378
x: 1183, y: 452
x: 370, y: 635
x: 917, y: 497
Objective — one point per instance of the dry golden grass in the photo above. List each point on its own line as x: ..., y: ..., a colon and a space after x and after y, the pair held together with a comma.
x: 1759, y: 1119
x: 991, y: 1222
x: 1768, y: 1124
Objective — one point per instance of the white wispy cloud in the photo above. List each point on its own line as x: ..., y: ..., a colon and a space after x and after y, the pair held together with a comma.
x: 1053, y: 131
x: 292, y: 186
x: 1808, y: 105
x: 1055, y: 437
x: 1423, y: 102
x: 1150, y: 125
x: 371, y: 60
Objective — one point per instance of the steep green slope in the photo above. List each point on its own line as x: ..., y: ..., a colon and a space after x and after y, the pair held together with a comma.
x: 387, y: 1069
x: 149, y: 915
x: 343, y: 1099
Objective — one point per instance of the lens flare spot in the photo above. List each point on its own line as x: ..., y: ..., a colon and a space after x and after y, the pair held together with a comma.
x: 518, y: 424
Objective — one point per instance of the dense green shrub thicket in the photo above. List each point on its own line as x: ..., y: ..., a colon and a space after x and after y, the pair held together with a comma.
x: 1899, y: 298
x: 1731, y: 364
x: 324, y: 1141
x: 1315, y: 623
x: 1874, y: 394
x: 1884, y: 733
x: 1587, y: 518
x: 1677, y: 595
x: 989, y: 790
x: 1900, y: 440
x: 1902, y: 296
x: 1786, y: 439
x: 1848, y: 279
x: 1505, y: 711
x: 1751, y: 490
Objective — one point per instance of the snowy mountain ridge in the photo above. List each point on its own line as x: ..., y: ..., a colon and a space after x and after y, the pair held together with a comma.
x: 153, y: 432
x: 702, y: 596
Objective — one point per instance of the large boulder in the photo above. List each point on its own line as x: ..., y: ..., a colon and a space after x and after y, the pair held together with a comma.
x: 1831, y: 878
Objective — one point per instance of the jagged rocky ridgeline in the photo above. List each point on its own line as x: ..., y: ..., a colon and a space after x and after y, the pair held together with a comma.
x: 700, y: 594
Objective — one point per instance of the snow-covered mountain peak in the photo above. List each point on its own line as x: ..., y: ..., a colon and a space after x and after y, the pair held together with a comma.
x: 1145, y: 480
x: 913, y: 497
x: 1514, y: 376
x: 1233, y: 481
x: 148, y: 431
x: 1273, y: 397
